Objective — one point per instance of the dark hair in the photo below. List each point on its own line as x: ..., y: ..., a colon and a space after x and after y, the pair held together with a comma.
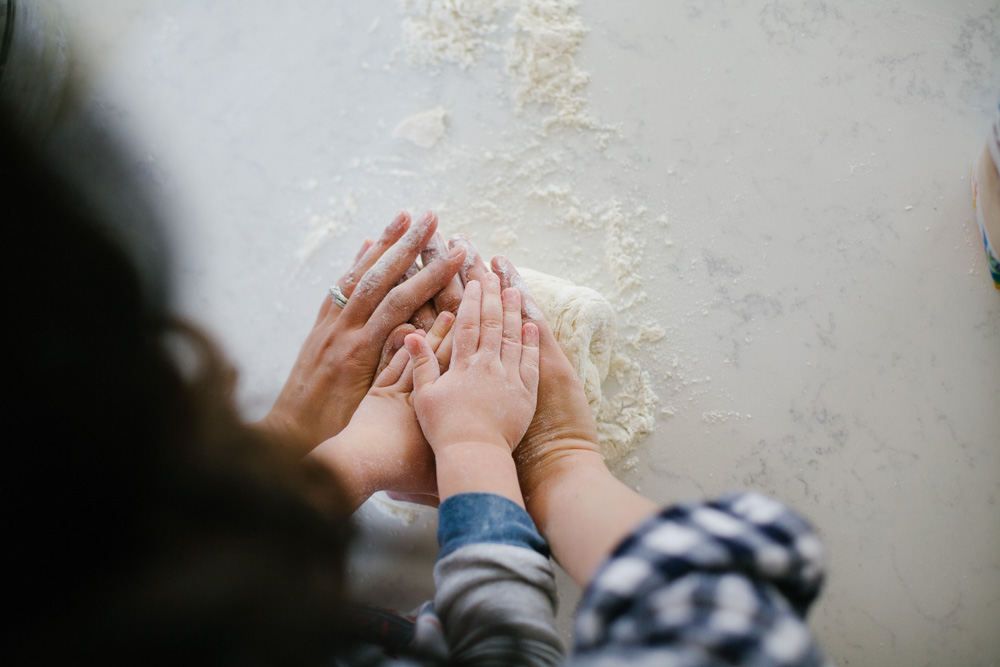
x: 144, y: 522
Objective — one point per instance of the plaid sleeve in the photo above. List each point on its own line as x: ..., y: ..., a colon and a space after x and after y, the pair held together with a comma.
x: 724, y: 582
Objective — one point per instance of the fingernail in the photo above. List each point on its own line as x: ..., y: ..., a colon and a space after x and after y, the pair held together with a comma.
x: 455, y: 252
x: 428, y: 216
x: 398, y: 222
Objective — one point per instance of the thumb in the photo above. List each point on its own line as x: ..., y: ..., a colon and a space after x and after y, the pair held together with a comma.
x: 425, y: 364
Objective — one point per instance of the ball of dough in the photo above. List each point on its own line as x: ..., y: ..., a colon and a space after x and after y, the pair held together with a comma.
x: 583, y: 322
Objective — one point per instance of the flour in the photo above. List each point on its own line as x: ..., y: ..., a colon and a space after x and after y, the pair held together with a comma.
x: 540, y: 59
x: 425, y: 128
x: 503, y: 237
x: 539, y: 39
x: 456, y: 31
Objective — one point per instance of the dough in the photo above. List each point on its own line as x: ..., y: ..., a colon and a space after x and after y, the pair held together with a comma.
x: 584, y: 324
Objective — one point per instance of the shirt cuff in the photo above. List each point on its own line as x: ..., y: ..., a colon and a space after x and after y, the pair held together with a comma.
x: 478, y: 518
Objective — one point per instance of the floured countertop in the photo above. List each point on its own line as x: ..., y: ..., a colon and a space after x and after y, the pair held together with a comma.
x: 773, y: 196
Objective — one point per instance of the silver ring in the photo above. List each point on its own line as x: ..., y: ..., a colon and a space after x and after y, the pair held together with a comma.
x: 338, y: 296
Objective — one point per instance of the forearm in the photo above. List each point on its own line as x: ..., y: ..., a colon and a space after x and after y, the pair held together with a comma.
x: 583, y: 511
x: 472, y: 467
x: 357, y: 473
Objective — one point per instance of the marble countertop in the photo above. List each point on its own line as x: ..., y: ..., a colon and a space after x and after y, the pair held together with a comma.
x: 788, y: 180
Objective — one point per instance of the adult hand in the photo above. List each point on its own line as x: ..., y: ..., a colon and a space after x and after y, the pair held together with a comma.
x: 383, y: 448
x: 337, y: 363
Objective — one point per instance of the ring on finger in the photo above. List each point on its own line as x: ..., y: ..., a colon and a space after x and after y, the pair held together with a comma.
x: 338, y: 295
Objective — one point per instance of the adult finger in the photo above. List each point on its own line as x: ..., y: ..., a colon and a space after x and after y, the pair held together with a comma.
x: 367, y: 243
x: 425, y: 315
x: 390, y: 235
x: 402, y: 301
x: 491, y: 318
x: 425, y: 366
x: 324, y: 308
x: 394, y: 370
x: 510, y: 278
x: 386, y: 272
x: 392, y: 345
x: 529, y: 357
x: 510, y: 351
x: 467, y: 322
x: 439, y: 330
x: 449, y: 297
x: 474, y: 268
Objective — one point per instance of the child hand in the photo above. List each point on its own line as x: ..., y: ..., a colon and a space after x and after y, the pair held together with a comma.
x: 383, y: 448
x: 489, y: 392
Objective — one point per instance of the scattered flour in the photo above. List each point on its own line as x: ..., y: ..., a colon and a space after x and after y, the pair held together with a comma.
x: 323, y: 227
x: 539, y: 39
x: 540, y: 59
x: 456, y: 31
x: 503, y: 237
x: 425, y: 128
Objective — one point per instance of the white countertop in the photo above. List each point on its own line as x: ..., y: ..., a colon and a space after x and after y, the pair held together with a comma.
x: 793, y: 178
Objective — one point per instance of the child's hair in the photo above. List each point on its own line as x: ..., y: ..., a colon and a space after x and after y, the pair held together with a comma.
x: 144, y: 523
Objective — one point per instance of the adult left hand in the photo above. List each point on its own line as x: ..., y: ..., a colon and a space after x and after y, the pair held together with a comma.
x: 337, y: 363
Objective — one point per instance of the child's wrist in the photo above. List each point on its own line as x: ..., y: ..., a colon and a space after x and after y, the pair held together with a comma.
x: 477, y: 467
x: 343, y: 456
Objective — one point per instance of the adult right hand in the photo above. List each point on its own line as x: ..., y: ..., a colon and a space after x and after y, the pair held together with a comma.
x: 337, y: 363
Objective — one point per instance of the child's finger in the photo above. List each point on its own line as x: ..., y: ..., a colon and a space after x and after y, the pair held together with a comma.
x: 467, y: 323
x: 391, y: 374
x: 425, y: 365
x: 529, y: 357
x: 439, y: 330
x: 491, y: 319
x: 510, y: 352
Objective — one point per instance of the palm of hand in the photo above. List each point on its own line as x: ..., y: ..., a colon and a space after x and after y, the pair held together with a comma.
x: 394, y: 439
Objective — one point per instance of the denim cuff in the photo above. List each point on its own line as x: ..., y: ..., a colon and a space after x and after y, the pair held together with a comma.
x: 485, y: 518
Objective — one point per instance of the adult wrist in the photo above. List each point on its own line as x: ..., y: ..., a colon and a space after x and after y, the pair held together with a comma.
x: 559, y: 457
